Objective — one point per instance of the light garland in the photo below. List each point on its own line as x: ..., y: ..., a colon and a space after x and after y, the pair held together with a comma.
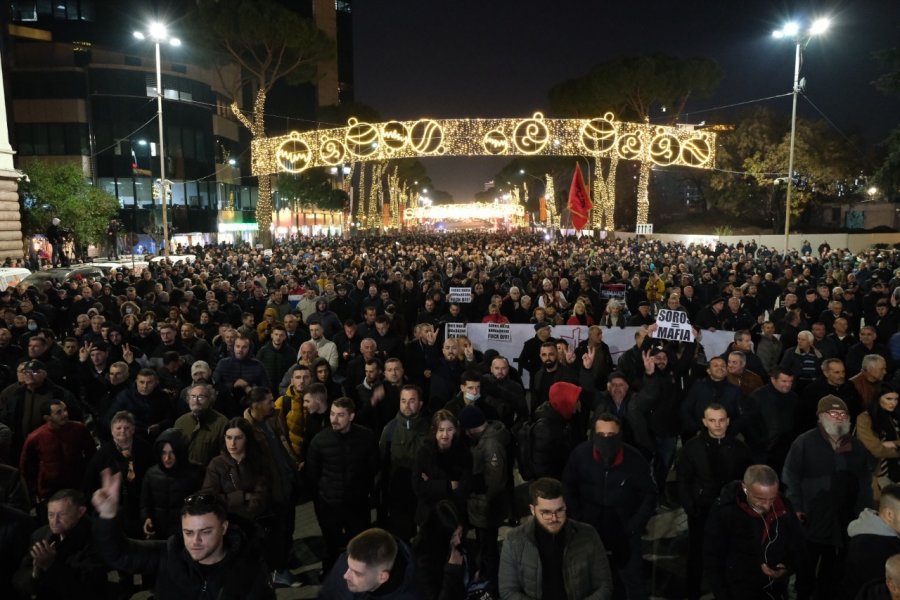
x: 599, y: 138
x: 550, y: 199
x: 602, y: 137
x: 361, y: 205
x: 486, y: 211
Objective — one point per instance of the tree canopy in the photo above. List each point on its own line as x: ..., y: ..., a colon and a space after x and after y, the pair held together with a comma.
x: 887, y: 177
x: 62, y: 191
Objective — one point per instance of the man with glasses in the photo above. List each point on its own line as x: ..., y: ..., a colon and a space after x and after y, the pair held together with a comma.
x: 567, y: 555
x: 210, y: 559
x: 202, y: 427
x: 828, y: 483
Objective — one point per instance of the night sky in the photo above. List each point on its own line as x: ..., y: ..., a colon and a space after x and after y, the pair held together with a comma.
x: 499, y: 58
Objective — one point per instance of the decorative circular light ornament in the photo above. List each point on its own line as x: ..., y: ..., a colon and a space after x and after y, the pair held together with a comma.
x: 394, y: 135
x: 531, y: 135
x: 293, y: 154
x: 695, y: 151
x: 362, y: 138
x: 427, y: 137
x: 630, y: 146
x: 664, y: 148
x: 495, y: 141
x: 332, y: 151
x: 599, y: 135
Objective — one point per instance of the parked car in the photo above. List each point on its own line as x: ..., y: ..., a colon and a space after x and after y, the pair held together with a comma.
x: 10, y: 277
x: 64, y: 274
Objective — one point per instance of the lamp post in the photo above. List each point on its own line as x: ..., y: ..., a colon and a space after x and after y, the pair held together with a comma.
x: 801, y: 38
x: 158, y: 33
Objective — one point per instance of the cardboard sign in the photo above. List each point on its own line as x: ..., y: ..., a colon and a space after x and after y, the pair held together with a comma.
x: 673, y: 325
x: 454, y: 330
x: 498, y: 332
x: 462, y: 295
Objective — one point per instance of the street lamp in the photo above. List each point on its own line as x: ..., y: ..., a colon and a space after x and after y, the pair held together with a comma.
x: 157, y: 32
x: 801, y: 37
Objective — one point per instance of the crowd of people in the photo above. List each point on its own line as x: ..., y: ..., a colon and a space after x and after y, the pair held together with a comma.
x: 168, y: 422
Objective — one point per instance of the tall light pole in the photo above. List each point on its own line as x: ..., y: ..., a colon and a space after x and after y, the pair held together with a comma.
x: 801, y: 37
x: 157, y: 32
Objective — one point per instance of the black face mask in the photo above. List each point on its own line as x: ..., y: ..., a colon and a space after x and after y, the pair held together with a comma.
x: 608, y: 447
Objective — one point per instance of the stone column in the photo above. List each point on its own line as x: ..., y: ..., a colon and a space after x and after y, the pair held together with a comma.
x: 10, y: 219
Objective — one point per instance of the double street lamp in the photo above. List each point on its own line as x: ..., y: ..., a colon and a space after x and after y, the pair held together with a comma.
x: 800, y: 36
x: 158, y: 34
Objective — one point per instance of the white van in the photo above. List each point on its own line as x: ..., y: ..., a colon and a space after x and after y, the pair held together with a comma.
x: 10, y: 277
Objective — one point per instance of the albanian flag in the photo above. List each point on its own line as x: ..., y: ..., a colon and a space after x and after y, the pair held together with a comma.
x: 579, y: 201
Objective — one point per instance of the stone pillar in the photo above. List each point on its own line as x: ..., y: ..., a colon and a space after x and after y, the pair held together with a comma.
x: 10, y: 219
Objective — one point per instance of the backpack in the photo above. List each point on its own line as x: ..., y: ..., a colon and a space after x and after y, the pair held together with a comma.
x: 523, y: 440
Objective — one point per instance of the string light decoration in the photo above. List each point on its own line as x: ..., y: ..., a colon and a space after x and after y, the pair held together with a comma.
x: 486, y: 211
x: 362, y: 215
x: 550, y: 199
x: 375, y: 197
x: 394, y: 193
x: 603, y: 137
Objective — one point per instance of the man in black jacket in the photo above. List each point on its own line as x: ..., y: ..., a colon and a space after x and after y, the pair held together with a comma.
x: 753, y: 539
x: 708, y: 461
x: 340, y: 467
x: 62, y: 562
x: 208, y: 559
x: 375, y: 565
x: 874, y: 538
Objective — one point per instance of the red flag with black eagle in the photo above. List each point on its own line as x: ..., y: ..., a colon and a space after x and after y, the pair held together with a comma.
x: 579, y: 200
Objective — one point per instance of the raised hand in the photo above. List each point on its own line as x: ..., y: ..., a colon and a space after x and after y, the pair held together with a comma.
x: 127, y: 354
x: 587, y: 361
x: 649, y: 363
x: 106, y: 498
x: 85, y: 351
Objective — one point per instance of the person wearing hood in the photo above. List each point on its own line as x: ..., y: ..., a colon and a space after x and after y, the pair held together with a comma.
x: 489, y: 501
x: 559, y: 426
x: 754, y: 541
x: 874, y: 538
x: 328, y: 319
x: 828, y: 482
x: 375, y: 565
x: 166, y: 484
x: 708, y: 461
x: 609, y: 486
x: 401, y: 440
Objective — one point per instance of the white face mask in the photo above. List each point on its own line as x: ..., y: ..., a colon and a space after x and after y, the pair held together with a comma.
x: 471, y: 397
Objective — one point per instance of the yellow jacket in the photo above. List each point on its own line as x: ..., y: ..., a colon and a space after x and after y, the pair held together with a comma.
x: 294, y: 417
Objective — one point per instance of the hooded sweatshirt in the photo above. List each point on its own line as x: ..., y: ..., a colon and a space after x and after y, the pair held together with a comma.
x: 563, y: 397
x: 872, y: 542
x: 163, y: 490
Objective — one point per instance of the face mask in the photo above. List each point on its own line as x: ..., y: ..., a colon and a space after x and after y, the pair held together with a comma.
x: 32, y: 327
x: 608, y: 447
x: 471, y: 397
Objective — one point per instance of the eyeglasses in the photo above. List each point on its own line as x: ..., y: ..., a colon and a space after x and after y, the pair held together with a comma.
x: 200, y: 500
x: 837, y: 414
x: 548, y: 514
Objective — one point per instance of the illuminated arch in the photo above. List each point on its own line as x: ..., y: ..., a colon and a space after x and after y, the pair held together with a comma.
x: 603, y: 137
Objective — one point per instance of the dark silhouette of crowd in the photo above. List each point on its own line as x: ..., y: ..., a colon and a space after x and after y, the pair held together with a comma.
x: 168, y: 422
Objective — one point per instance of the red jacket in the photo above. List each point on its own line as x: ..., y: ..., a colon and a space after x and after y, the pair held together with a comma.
x: 53, y: 460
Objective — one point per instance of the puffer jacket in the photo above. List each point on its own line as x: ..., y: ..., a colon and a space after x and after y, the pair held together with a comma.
x: 400, y: 443
x: 164, y: 490
x: 586, y: 572
x: 242, y: 574
x: 488, y: 504
x: 342, y: 467
x: 231, y: 481
x: 291, y: 409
